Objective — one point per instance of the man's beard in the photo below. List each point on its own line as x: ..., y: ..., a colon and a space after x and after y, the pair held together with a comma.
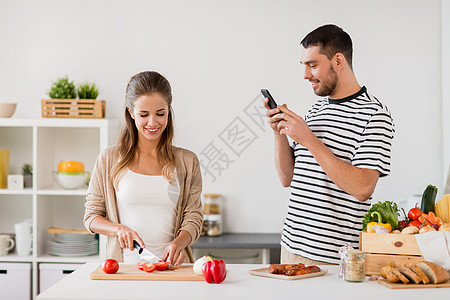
x: 327, y: 86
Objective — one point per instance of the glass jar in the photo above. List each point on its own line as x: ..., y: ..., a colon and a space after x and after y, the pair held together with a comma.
x: 213, y: 224
x: 342, y: 254
x: 212, y: 204
x: 212, y: 214
x: 355, y: 266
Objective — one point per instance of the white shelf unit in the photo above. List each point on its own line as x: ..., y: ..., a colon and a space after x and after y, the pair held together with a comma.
x: 44, y: 143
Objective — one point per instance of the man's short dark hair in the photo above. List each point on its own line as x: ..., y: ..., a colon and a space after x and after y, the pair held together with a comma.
x: 331, y: 39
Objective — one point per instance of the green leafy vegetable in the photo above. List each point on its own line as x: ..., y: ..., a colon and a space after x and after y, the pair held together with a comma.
x: 388, y: 211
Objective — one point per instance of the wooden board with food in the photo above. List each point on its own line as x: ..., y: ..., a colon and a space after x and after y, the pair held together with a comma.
x: 132, y: 272
x: 386, y: 238
x: 289, y: 271
x: 414, y: 275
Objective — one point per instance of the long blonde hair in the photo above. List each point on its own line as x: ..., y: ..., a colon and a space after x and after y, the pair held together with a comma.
x: 145, y: 83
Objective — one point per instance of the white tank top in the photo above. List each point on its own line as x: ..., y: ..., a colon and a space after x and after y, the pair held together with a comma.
x: 148, y: 205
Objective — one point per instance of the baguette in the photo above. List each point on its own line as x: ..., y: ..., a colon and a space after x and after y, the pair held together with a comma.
x: 413, y: 277
x: 397, y: 272
x: 419, y: 272
x: 434, y: 272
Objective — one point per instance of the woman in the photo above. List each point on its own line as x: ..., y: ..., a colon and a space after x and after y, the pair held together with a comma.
x: 144, y: 189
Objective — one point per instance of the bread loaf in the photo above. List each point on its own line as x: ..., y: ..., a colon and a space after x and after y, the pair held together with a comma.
x: 434, y: 272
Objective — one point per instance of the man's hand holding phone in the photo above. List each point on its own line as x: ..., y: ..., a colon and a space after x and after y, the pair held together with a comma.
x: 285, y: 122
x: 272, y: 110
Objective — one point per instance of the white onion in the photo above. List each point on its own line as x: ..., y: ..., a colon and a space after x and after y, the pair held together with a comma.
x: 198, y: 265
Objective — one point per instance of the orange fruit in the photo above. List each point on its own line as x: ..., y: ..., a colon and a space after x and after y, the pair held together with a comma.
x: 70, y: 166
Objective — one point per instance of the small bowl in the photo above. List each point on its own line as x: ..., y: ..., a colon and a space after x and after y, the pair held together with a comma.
x: 7, y: 109
x: 71, y: 180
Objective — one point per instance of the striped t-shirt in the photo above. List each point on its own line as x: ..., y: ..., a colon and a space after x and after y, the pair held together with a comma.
x: 321, y: 217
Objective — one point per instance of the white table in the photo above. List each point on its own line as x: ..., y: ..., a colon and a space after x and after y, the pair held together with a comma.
x: 239, y: 284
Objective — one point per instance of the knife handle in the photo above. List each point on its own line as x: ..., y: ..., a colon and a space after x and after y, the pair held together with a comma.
x: 138, y: 247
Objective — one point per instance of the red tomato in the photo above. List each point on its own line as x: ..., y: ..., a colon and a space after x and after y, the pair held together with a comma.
x: 161, y: 265
x: 141, y: 265
x: 110, y: 266
x: 414, y: 213
x: 414, y: 223
x: 149, y: 268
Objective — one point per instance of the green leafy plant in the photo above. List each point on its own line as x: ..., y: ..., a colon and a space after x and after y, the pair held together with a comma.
x: 62, y: 88
x: 87, y: 90
x: 27, y: 169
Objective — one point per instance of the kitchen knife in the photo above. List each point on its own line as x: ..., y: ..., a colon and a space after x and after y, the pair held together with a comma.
x: 146, y: 255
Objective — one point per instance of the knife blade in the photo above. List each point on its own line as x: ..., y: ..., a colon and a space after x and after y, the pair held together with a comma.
x: 145, y: 254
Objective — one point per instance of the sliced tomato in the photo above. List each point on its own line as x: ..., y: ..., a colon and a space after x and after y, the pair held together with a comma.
x: 161, y: 265
x: 141, y: 265
x: 149, y: 268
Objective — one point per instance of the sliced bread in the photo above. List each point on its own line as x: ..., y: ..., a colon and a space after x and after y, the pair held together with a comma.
x: 413, y: 277
x: 419, y: 272
x: 402, y: 277
x: 434, y: 272
x: 392, y: 277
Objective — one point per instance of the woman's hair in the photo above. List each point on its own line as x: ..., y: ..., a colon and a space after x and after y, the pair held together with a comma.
x: 145, y: 83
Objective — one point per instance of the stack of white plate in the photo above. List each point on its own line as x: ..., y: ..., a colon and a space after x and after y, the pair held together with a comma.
x: 73, y: 244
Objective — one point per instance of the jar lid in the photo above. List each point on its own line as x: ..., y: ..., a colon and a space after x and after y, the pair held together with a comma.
x: 212, y: 217
x: 212, y: 195
x: 355, y: 254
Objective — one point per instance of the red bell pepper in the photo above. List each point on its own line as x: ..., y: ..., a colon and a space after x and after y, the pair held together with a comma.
x: 214, y: 271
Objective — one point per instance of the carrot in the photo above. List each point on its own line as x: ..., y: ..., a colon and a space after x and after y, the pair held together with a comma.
x: 422, y: 218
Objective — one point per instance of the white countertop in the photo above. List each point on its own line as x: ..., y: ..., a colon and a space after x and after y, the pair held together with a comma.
x: 239, y: 284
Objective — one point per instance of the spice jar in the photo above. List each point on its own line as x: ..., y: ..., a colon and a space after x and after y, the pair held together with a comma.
x: 355, y: 266
x: 212, y: 214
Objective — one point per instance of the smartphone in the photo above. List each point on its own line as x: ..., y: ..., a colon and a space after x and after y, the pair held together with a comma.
x: 266, y: 94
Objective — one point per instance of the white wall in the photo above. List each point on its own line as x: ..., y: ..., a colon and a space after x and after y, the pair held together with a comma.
x: 218, y: 55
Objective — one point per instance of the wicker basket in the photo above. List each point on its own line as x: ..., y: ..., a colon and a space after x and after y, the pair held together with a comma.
x: 73, y: 108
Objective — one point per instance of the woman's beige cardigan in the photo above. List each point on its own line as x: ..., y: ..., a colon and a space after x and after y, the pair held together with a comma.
x: 101, y: 198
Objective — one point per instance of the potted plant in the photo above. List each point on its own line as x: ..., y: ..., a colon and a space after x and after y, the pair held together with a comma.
x: 62, y: 88
x: 27, y: 172
x: 67, y: 106
x: 87, y: 90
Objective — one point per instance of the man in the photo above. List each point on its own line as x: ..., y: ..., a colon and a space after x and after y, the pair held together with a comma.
x: 339, y: 151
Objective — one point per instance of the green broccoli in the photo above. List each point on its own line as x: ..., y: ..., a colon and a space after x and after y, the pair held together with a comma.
x: 388, y: 211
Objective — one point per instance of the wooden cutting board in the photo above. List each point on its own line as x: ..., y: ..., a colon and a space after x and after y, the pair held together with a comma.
x: 131, y: 272
x: 400, y: 285
x: 264, y: 272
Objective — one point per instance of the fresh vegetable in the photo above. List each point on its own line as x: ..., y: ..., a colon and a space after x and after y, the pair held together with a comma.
x: 442, y: 208
x: 426, y: 229
x: 110, y: 266
x: 161, y: 265
x: 414, y: 223
x: 141, y: 265
x: 414, y: 213
x: 199, y: 264
x: 428, y: 198
x: 388, y: 211
x: 374, y: 227
x: 214, y: 271
x: 410, y: 230
x: 430, y: 219
x: 149, y: 267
